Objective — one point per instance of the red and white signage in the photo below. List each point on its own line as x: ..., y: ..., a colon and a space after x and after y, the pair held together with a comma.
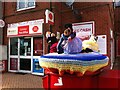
x: 35, y: 29
x: 84, y: 30
x: 49, y: 17
x: 27, y: 28
x: 23, y: 30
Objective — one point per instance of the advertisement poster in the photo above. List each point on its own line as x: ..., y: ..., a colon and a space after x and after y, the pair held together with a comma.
x: 84, y: 30
x: 37, y: 69
x: 102, y: 43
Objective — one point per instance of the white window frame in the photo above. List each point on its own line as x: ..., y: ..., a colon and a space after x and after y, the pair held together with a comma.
x: 26, y: 5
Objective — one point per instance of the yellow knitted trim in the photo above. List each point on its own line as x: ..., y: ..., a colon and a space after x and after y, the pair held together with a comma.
x: 74, y: 68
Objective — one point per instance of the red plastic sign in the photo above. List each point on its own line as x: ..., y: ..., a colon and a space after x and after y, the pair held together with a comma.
x: 23, y: 30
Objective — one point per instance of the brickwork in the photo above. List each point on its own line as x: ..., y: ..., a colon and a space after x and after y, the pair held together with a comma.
x: 12, y: 80
x: 101, y: 13
x: 117, y: 21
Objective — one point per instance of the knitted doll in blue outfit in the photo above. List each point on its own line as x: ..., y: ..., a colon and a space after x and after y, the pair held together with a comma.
x: 69, y: 43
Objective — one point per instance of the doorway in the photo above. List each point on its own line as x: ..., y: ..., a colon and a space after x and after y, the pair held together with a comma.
x: 20, y: 53
x: 25, y: 59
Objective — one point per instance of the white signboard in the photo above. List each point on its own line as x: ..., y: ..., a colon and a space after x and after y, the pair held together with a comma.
x: 27, y: 28
x: 12, y: 31
x: 84, y: 30
x: 102, y: 43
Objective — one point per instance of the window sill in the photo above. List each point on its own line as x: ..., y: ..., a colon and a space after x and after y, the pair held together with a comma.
x: 25, y: 8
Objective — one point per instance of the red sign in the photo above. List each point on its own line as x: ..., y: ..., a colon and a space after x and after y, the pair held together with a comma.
x: 35, y: 28
x: 23, y: 30
x: 49, y: 17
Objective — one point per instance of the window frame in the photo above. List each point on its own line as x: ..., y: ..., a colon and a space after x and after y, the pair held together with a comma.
x: 26, y: 5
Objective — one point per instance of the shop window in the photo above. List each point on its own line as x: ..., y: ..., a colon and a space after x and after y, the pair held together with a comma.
x: 25, y: 64
x: 13, y: 63
x: 13, y: 46
x: 25, y: 46
x: 25, y: 4
x: 38, y: 46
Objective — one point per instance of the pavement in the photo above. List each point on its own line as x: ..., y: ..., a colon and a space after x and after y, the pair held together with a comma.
x: 20, y: 81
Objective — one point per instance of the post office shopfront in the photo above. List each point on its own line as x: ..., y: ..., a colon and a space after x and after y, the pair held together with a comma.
x: 25, y: 46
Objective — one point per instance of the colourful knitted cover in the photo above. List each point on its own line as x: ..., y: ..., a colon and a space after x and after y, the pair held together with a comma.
x: 81, y: 62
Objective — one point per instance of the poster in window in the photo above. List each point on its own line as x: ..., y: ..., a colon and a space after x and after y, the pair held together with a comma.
x: 102, y: 44
x: 84, y: 29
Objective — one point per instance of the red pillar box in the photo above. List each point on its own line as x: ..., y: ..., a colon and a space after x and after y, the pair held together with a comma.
x: 109, y: 79
x: 54, y: 81
x: 46, y: 82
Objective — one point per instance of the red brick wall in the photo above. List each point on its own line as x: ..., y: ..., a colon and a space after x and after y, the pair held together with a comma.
x: 117, y: 20
x: 101, y: 17
x: 14, y: 16
x: 117, y: 29
x: 101, y: 13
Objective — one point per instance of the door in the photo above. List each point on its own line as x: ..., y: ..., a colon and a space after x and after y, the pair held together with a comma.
x: 23, y: 51
x: 20, y: 54
x: 25, y: 54
x: 13, y: 54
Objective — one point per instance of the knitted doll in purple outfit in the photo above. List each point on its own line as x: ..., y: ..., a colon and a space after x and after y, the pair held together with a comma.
x: 69, y: 43
x: 73, y: 44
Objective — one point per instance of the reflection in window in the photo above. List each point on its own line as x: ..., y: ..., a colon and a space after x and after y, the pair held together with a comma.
x: 38, y: 46
x: 21, y: 4
x: 25, y: 46
x: 31, y: 3
x: 24, y: 4
x: 117, y: 3
x: 13, y: 46
x: 13, y: 63
x: 22, y: 48
x: 25, y: 64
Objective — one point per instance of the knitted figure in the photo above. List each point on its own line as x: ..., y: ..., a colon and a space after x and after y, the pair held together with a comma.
x: 69, y: 43
x: 91, y: 44
x: 64, y: 37
x: 52, y: 42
